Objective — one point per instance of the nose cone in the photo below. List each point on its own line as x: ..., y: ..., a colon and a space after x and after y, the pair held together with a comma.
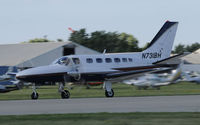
x: 43, y: 73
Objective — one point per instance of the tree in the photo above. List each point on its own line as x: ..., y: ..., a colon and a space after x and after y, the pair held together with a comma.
x: 111, y: 41
x: 189, y: 48
x: 80, y: 37
x: 193, y: 47
x: 145, y: 46
x: 38, y: 40
x: 179, y: 49
x: 60, y: 40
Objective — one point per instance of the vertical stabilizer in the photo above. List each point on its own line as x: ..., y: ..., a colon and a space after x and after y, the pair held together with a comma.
x: 161, y: 45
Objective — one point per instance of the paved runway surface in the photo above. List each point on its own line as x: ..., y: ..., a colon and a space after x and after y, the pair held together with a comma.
x: 91, y: 105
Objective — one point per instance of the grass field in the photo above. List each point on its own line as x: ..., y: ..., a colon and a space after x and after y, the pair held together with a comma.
x: 121, y: 90
x: 104, y: 119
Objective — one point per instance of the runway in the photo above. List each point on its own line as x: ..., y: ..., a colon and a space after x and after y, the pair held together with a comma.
x: 93, y: 105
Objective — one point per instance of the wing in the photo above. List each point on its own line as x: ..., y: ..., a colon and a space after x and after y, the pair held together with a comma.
x: 133, y: 72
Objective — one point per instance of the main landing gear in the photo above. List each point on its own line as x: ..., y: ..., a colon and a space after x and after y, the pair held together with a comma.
x: 108, y: 89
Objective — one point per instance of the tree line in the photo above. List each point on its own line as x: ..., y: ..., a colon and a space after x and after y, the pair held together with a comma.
x: 113, y: 42
x: 180, y: 48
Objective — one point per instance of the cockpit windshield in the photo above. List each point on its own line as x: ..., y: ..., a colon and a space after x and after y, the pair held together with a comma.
x: 63, y: 61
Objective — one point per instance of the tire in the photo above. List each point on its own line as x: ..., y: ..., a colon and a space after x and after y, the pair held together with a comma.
x: 34, y: 96
x: 109, y: 94
x: 65, y: 94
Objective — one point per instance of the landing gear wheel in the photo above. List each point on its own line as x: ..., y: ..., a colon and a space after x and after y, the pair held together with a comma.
x: 65, y: 94
x: 109, y: 94
x: 34, y: 96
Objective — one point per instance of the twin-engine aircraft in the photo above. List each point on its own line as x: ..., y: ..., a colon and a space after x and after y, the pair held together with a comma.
x: 106, y: 67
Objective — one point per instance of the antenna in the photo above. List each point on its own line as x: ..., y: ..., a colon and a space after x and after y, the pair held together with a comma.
x: 104, y: 51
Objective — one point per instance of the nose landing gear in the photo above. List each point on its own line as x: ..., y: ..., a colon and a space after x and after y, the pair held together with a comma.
x: 34, y: 95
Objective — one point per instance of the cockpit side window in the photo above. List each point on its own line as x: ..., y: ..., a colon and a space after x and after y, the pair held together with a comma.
x: 76, y: 60
x: 63, y: 61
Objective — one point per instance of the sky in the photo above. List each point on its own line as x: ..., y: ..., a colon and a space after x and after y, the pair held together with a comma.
x: 22, y: 20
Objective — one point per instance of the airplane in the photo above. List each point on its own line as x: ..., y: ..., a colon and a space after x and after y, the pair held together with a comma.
x: 9, y: 85
x: 8, y: 82
x: 105, y: 67
x: 156, y: 80
x: 10, y: 74
x: 195, y: 79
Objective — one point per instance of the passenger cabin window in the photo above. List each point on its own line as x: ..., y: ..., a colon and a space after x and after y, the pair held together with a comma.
x: 108, y: 60
x: 76, y: 60
x: 89, y: 60
x: 124, y: 59
x: 130, y: 59
x: 99, y: 60
x: 117, y: 60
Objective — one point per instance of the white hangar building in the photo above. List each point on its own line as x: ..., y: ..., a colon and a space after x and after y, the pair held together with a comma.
x: 192, y: 61
x: 25, y: 55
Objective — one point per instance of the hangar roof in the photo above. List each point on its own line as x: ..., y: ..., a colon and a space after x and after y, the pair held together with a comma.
x: 14, y: 54
x: 193, y: 58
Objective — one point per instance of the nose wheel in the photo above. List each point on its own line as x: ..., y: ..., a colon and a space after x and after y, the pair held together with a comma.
x: 34, y: 95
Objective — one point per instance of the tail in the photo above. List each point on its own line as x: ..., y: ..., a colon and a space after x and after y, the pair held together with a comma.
x: 177, y: 74
x: 161, y: 46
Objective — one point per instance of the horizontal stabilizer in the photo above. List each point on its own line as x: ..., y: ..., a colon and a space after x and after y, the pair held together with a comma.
x: 173, y: 59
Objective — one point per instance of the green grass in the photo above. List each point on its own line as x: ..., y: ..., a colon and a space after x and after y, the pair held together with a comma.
x: 104, y: 119
x: 121, y: 90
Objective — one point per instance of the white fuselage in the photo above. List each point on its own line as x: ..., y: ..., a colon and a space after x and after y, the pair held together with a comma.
x: 111, y: 62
